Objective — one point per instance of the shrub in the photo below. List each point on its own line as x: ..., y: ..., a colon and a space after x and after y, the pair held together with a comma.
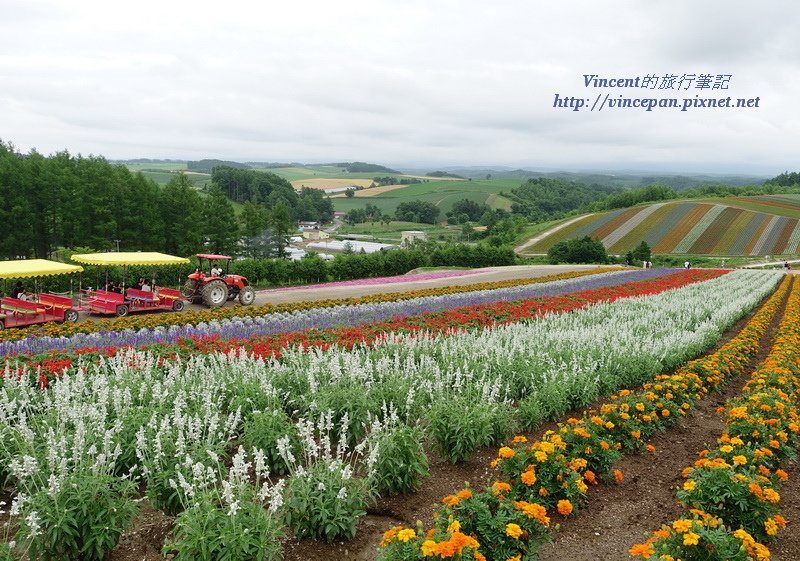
x: 401, y: 462
x: 78, y: 518
x: 459, y: 425
x: 578, y: 250
x: 263, y: 430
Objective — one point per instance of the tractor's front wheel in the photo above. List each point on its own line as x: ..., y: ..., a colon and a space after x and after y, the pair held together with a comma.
x: 247, y: 296
x: 215, y: 294
x: 70, y: 316
x: 189, y: 289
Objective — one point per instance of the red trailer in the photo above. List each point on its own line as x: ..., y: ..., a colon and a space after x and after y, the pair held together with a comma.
x: 105, y: 302
x: 130, y: 300
x: 35, y: 308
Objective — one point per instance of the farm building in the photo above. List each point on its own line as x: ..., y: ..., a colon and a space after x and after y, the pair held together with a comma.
x: 357, y: 246
x: 410, y: 236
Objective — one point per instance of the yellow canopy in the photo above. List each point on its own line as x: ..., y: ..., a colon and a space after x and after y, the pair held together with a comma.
x: 128, y: 258
x: 26, y: 268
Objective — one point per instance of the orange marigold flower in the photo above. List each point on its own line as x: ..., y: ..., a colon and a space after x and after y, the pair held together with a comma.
x: 636, y: 434
x: 564, y: 507
x: 642, y: 549
x: 543, y: 492
x: 589, y: 476
x: 451, y: 500
x: 528, y: 477
x: 478, y: 556
x: 782, y: 475
x: 618, y: 475
x: 501, y: 486
x: 506, y: 452
x: 650, y: 448
x: 665, y: 412
x: 519, y: 439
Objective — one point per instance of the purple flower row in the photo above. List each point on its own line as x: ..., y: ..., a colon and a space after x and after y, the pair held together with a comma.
x: 322, y: 318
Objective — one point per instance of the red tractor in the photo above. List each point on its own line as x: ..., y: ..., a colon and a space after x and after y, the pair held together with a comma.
x: 213, y: 286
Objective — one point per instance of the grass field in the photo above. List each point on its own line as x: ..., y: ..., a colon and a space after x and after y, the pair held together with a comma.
x: 441, y: 193
x: 392, y: 232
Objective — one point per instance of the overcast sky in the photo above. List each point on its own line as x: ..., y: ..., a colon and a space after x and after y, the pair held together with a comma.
x: 404, y: 82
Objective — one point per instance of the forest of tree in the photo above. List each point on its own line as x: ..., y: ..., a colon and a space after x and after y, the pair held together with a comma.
x: 67, y: 201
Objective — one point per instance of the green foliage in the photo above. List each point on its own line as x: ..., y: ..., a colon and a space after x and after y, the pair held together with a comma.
x: 219, y: 225
x: 471, y: 209
x: 362, y: 167
x: 544, y: 198
x: 82, y: 520
x: 458, y: 426
x: 642, y: 252
x: 209, y: 165
x: 208, y: 531
x: 350, y: 400
x: 578, y: 250
x: 444, y: 174
x: 325, y: 501
x: 401, y: 463
x: 417, y: 211
x: 263, y: 429
x: 641, y: 195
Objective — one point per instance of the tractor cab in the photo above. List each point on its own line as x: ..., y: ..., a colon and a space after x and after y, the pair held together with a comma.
x: 214, y: 285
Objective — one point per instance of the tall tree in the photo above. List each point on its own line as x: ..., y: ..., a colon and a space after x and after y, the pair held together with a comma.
x: 282, y: 225
x: 219, y: 224
x: 180, y: 210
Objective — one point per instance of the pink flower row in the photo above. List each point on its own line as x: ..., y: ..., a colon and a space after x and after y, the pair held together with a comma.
x: 379, y: 280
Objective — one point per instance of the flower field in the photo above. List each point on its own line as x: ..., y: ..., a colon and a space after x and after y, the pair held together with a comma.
x: 756, y: 225
x: 244, y: 436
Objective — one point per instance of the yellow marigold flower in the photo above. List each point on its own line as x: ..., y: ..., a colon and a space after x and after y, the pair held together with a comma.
x: 454, y: 526
x: 517, y: 557
x: 690, y: 538
x: 609, y: 425
x: 736, y: 441
x: 494, y: 463
x: 739, y: 460
x: 547, y: 447
x: 581, y: 486
x: 770, y: 527
x: 727, y: 449
x: 772, y: 495
x: 682, y: 525
x: 478, y: 556
x: 406, y: 535
x: 429, y: 548
x: 689, y: 485
x: 519, y: 439
x: 540, y: 456
x: 514, y: 531
x: 506, y: 452
x: 564, y: 507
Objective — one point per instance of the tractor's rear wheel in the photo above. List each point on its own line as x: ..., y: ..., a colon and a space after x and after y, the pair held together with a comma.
x: 215, y: 294
x: 70, y: 316
x: 122, y: 311
x: 247, y: 296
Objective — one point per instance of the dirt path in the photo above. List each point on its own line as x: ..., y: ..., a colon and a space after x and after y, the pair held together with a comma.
x: 490, y: 274
x: 530, y: 242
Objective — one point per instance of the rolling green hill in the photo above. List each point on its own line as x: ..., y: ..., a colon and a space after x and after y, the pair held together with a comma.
x: 761, y: 225
x: 441, y: 193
